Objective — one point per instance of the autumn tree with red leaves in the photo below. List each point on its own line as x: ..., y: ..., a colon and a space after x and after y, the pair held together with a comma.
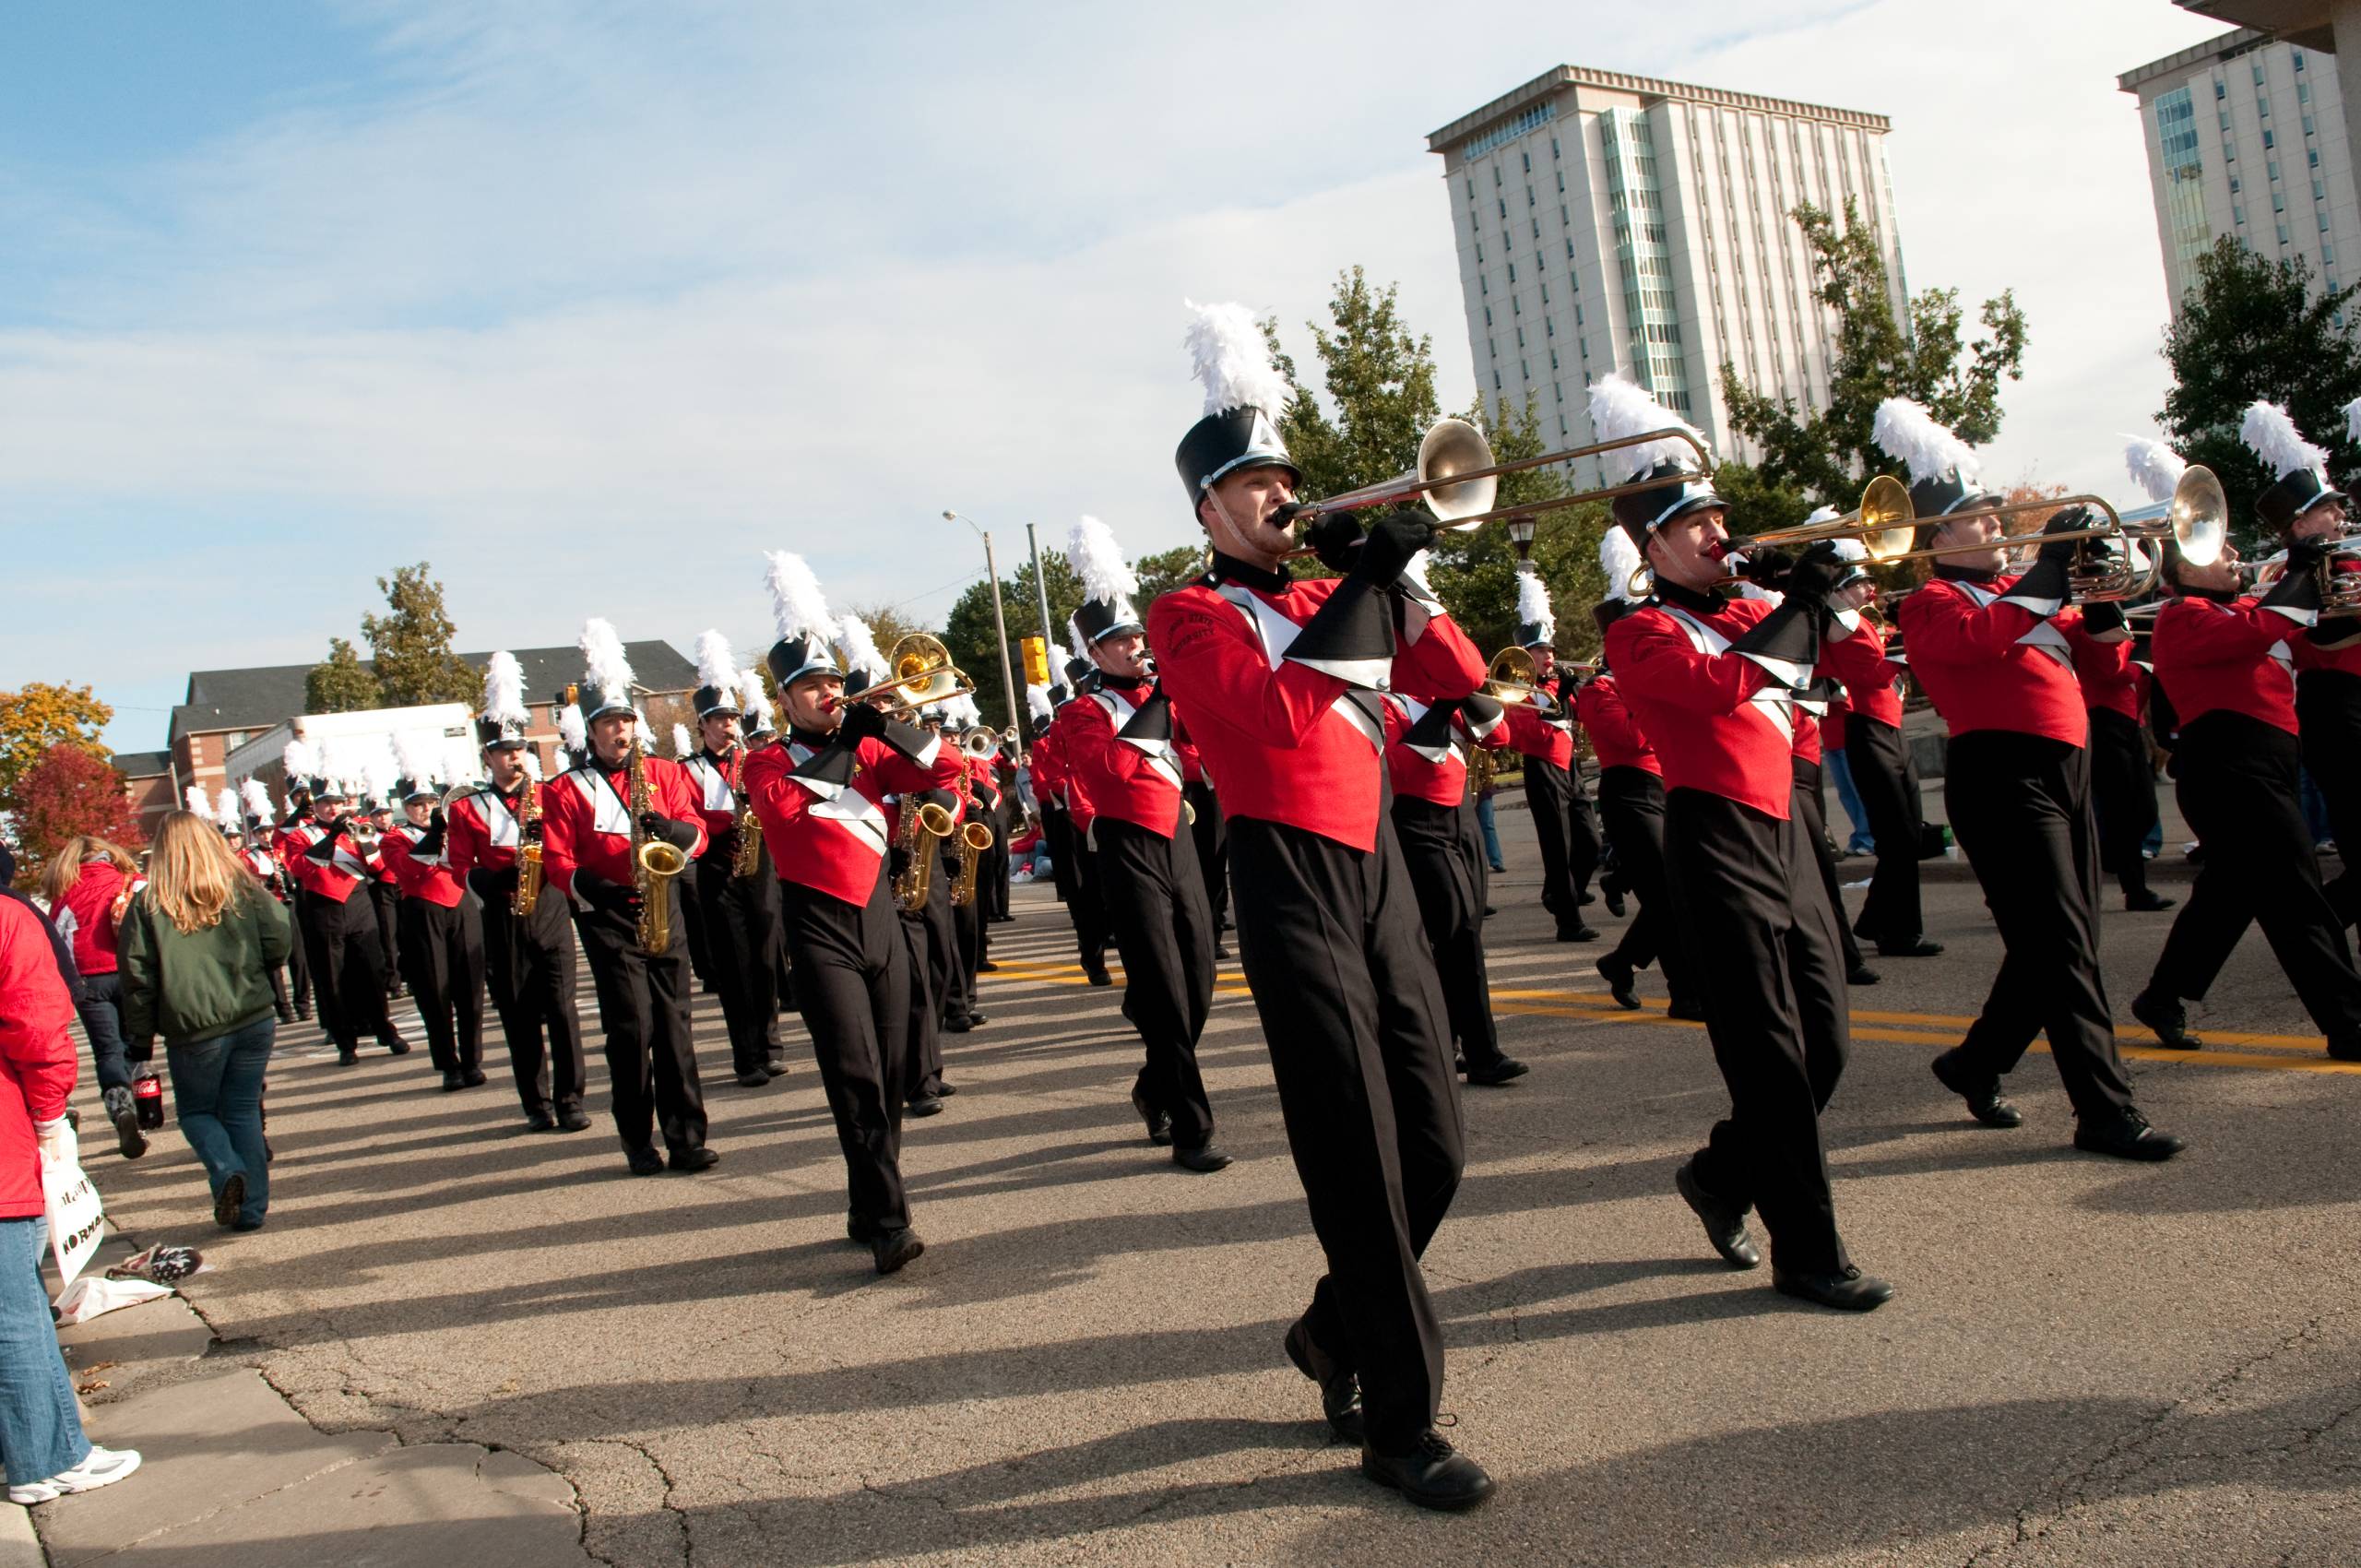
x: 68, y: 791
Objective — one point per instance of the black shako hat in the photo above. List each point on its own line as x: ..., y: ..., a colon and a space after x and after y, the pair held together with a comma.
x: 1932, y: 500
x: 1225, y: 442
x: 2290, y: 496
x: 1099, y: 618
x: 710, y: 700
x: 1676, y: 491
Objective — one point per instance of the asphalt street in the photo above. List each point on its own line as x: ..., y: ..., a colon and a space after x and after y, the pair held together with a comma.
x: 2088, y: 1363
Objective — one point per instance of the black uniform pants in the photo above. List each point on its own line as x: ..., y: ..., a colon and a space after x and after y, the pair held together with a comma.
x: 529, y: 967
x: 1747, y: 890
x: 1213, y: 845
x: 1567, y: 834
x: 1631, y: 806
x: 1443, y: 853
x: 1814, y: 813
x: 994, y: 883
x: 644, y: 1012
x: 1353, y: 1016
x: 2327, y: 713
x: 2238, y: 787
x: 298, y: 957
x: 741, y: 919
x: 348, y: 957
x: 444, y: 950
x: 852, y: 984
x: 1156, y: 902
x: 2123, y: 789
x: 1085, y: 905
x: 922, y: 1058
x: 1056, y: 831
x: 1887, y: 782
x: 2021, y: 808
x: 967, y: 918
x: 386, y: 899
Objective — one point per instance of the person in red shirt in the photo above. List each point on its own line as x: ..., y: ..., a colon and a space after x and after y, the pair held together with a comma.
x: 347, y: 950
x: 529, y: 957
x: 1995, y: 652
x: 1282, y: 680
x: 588, y: 823
x: 819, y: 791
x: 739, y: 914
x: 1714, y: 681
x: 1119, y: 751
x: 1544, y: 735
x: 442, y: 935
x: 87, y: 885
x: 2227, y: 664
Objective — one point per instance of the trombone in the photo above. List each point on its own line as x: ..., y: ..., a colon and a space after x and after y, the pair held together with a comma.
x: 1514, y: 680
x: 923, y: 672
x: 1458, y: 480
x: 1884, y: 522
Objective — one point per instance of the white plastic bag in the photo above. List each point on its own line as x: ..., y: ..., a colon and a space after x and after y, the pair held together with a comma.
x: 77, y: 1218
x: 94, y: 1295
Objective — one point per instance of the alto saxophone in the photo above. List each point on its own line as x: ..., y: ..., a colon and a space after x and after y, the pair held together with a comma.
x: 916, y: 876
x: 974, y: 839
x: 748, y: 858
x: 527, y: 897
x: 654, y: 862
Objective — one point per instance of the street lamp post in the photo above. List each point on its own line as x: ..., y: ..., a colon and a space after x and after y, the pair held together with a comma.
x: 1000, y: 621
x: 1054, y: 645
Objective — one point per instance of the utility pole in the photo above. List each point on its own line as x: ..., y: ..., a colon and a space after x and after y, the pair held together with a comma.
x: 1000, y: 621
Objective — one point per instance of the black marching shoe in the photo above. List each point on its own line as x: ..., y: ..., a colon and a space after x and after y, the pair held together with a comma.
x: 2146, y: 903
x: 1204, y: 1160
x: 958, y: 1023
x: 754, y: 1078
x: 1687, y: 1009
x: 1861, y: 974
x: 986, y: 966
x: 1615, y: 902
x: 302, y: 1015
x: 1849, y: 1292
x: 1222, y: 952
x: 2125, y: 1136
x: 2344, y: 1048
x: 453, y: 1081
x: 1493, y: 1074
x: 775, y: 1067
x: 2168, y: 1018
x: 646, y: 1161
x: 1433, y: 1475
x: 923, y: 1105
x: 1621, y: 981
x: 892, y: 1249
x: 1159, y: 1122
x: 346, y: 1056
x: 472, y: 1078
x: 694, y: 1159
x: 1916, y: 947
x: 1985, y: 1101
x: 1097, y: 974
x: 541, y: 1119
x: 1724, y: 1223
x: 860, y: 1232
x: 571, y: 1117
x: 1340, y: 1389
x: 1575, y: 931
x: 287, y: 1014
x: 396, y: 1046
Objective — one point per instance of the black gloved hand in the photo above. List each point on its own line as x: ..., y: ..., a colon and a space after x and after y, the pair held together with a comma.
x: 2305, y: 555
x: 615, y: 897
x: 2298, y: 587
x: 679, y: 834
x: 724, y: 843
x: 492, y: 885
x: 1392, y: 540
x: 1335, y: 538
x: 431, y: 841
x: 861, y: 722
x: 2103, y: 617
x: 1768, y: 568
x: 2071, y: 520
x: 1815, y: 576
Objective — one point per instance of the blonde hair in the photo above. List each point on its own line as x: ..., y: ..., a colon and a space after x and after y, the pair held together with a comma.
x: 193, y: 879
x: 64, y: 868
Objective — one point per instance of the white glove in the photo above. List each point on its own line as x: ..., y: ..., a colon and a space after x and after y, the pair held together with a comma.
x: 57, y: 1143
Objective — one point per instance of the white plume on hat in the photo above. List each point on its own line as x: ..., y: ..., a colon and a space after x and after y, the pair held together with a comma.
x: 419, y: 754
x: 198, y: 805
x: 1037, y: 700
x: 715, y: 667
x: 643, y: 732
x: 960, y: 712
x: 1232, y: 360
x: 301, y: 761
x: 2272, y: 435
x: 1618, y: 558
x: 2352, y: 421
x: 857, y: 646
x: 570, y: 731
x: 533, y: 764
x: 755, y: 692
x: 1078, y: 644
x: 604, y: 663
x: 345, y: 761
x: 1905, y: 432
x: 380, y: 769
x: 503, y: 689
x: 1823, y: 514
x: 798, y: 606
x: 258, y: 799
x: 459, y: 762
x: 225, y: 807
x: 1098, y: 560
x: 1620, y: 408
x: 2154, y: 466
x: 1532, y: 603
x: 682, y: 746
x: 1849, y: 549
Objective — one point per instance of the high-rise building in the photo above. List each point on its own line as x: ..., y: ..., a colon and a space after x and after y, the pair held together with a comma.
x: 1613, y: 222
x: 2246, y: 137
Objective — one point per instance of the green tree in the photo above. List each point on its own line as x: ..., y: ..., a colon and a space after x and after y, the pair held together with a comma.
x: 37, y: 716
x: 340, y: 683
x: 1828, y: 453
x: 1166, y: 569
x: 2251, y: 328
x: 888, y: 624
x: 969, y: 633
x: 410, y: 645
x: 1380, y: 382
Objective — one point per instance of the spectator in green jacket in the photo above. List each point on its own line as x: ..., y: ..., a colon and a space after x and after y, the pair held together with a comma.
x: 195, y: 951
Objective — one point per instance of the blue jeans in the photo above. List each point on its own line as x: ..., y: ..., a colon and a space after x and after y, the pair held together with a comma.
x: 216, y: 1093
x: 102, y: 1021
x: 41, y: 1431
x: 1863, y: 841
x: 1491, y: 834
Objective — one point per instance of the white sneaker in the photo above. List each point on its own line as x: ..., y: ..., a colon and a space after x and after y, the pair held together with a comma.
x: 104, y: 1467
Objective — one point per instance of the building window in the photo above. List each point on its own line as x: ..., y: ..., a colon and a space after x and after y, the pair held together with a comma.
x: 1488, y: 316
x: 2298, y: 55
x: 1528, y: 161
x: 2258, y: 73
x: 2220, y: 91
x: 2282, y: 233
x: 1511, y: 275
x: 2234, y: 184
x: 2269, y: 140
x: 2261, y: 108
x: 2313, y: 158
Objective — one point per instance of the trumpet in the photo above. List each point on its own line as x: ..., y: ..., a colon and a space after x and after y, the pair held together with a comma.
x: 1457, y: 478
x: 980, y: 744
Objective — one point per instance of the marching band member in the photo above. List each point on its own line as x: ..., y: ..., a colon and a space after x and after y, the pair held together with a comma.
x: 762, y: 729
x: 1084, y: 905
x: 1282, y: 680
x: 740, y: 913
x: 2226, y: 662
x: 262, y: 861
x: 966, y: 920
x: 1713, y: 681
x: 990, y: 809
x: 1995, y: 652
x: 1121, y: 755
x: 819, y: 792
x: 1810, y: 798
x: 1544, y: 735
x: 442, y: 939
x: 529, y: 957
x: 2302, y: 506
x: 588, y: 822
x: 1631, y: 807
x: 340, y: 928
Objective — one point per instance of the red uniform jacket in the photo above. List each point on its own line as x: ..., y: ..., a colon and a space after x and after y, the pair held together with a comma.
x: 418, y: 876
x: 37, y: 1056
x: 1136, y: 781
x: 2235, y: 656
x: 586, y: 824
x: 831, y: 835
x: 1615, y: 735
x: 1284, y: 741
x: 1048, y: 768
x: 333, y: 879
x: 1991, y: 663
x: 2110, y: 680
x: 485, y: 829
x: 1721, y: 722
x: 1857, y: 658
x: 714, y: 782
x: 981, y: 782
x: 2345, y: 657
x: 1544, y: 734
x: 1430, y: 772
x: 1192, y: 761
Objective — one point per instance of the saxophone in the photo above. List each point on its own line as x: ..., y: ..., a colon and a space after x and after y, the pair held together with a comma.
x: 654, y: 862
x: 916, y: 878
x: 974, y: 839
x: 527, y: 897
x: 748, y: 858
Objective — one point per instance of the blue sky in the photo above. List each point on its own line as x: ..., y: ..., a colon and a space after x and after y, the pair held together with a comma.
x: 588, y: 304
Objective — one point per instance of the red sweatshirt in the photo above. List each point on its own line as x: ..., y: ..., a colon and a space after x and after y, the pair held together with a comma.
x: 37, y: 1056
x: 2233, y: 656
x: 586, y: 824
x: 85, y: 916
